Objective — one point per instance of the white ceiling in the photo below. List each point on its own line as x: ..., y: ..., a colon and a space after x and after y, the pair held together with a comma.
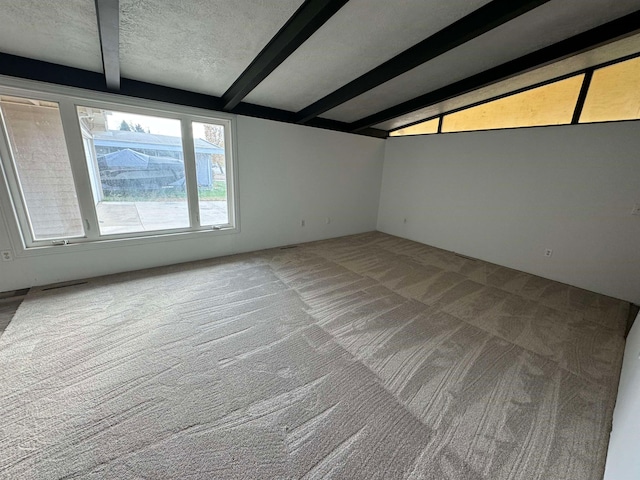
x: 63, y: 32
x: 197, y: 45
x: 543, y: 26
x: 619, y: 49
x: 361, y: 36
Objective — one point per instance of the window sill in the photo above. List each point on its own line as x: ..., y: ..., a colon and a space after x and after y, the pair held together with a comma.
x: 26, y: 252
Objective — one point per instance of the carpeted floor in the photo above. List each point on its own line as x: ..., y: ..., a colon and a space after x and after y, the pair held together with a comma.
x: 7, y: 310
x: 355, y: 358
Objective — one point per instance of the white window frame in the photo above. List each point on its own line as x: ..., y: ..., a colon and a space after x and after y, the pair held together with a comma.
x: 69, y: 99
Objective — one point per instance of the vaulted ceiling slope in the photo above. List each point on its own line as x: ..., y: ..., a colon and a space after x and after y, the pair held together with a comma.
x: 363, y: 66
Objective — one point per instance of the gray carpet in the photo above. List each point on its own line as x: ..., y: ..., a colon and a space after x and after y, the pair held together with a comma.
x: 358, y: 358
x: 7, y: 311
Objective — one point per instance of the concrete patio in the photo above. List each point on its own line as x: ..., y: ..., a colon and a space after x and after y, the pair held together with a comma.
x: 128, y: 217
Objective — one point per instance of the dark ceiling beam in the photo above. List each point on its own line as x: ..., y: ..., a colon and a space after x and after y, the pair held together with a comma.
x: 108, y: 13
x: 577, y: 44
x: 311, y: 15
x: 30, y: 69
x: 467, y: 28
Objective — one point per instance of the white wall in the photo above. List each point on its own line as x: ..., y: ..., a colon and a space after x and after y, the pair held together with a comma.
x: 504, y: 196
x: 286, y: 172
x: 623, y: 461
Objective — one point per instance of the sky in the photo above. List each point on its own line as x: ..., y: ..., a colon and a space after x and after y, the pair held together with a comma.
x: 156, y: 125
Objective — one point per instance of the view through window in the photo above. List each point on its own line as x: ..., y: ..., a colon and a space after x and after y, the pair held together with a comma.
x: 42, y: 168
x: 80, y: 172
x: 211, y: 167
x: 138, y: 165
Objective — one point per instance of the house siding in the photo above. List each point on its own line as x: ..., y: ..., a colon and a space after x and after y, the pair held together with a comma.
x: 40, y: 153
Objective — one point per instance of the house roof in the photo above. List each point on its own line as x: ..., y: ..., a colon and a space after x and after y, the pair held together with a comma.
x: 342, y: 64
x: 127, y: 139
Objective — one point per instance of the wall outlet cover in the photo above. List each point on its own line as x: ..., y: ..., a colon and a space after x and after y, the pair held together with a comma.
x: 6, y: 255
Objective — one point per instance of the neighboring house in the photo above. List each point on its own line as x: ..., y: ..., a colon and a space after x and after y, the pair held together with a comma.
x: 153, y: 145
x: 127, y: 170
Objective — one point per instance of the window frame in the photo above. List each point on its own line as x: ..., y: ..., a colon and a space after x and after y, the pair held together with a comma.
x: 68, y: 100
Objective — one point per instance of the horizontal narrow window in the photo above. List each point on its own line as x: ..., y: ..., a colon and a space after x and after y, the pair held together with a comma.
x: 43, y: 174
x: 551, y: 104
x: 424, y: 128
x: 614, y: 93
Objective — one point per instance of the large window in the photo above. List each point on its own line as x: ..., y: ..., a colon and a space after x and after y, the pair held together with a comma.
x: 83, y: 171
x: 139, y: 165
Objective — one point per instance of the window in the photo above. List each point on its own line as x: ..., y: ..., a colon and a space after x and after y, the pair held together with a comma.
x: 551, y: 104
x: 211, y: 165
x: 138, y: 183
x: 614, y: 93
x: 83, y: 171
x: 601, y: 93
x: 424, y: 128
x: 42, y: 168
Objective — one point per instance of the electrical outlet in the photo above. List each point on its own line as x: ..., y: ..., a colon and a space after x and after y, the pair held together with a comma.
x: 6, y: 255
x: 636, y: 209
x: 548, y: 252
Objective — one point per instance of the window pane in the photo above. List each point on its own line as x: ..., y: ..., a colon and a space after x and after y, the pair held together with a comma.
x: 614, y: 93
x: 211, y: 169
x: 34, y: 129
x: 136, y: 165
x: 551, y: 104
x: 430, y: 126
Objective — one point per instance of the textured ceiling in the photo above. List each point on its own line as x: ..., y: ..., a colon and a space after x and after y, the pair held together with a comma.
x: 197, y: 45
x: 543, y: 26
x: 612, y: 51
x: 63, y: 32
x: 361, y: 36
x: 205, y: 45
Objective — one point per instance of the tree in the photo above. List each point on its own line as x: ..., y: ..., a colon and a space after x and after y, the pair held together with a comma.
x: 130, y: 127
x: 215, y: 134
